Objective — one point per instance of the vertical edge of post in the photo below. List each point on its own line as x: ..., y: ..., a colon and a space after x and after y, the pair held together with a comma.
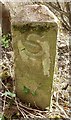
x: 0, y: 53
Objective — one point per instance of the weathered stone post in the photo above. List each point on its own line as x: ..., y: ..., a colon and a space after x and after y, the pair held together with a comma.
x: 34, y: 45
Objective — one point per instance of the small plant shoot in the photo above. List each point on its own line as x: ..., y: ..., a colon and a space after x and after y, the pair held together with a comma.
x: 5, y: 40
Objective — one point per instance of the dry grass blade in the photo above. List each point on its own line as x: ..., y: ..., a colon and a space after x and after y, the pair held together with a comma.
x: 66, y: 116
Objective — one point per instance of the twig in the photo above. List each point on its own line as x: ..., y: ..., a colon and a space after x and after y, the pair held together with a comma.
x: 23, y: 114
x: 57, y: 97
x: 63, y: 100
x: 3, y: 100
x: 64, y: 22
x: 41, y: 115
x: 57, y: 9
x: 66, y: 116
x: 24, y: 109
x: 31, y: 109
x: 59, y: 5
x: 4, y: 103
x: 27, y: 112
x: 4, y: 85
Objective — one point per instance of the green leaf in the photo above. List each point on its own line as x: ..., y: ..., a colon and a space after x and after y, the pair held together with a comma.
x: 26, y: 90
x: 8, y: 94
x: 2, y: 117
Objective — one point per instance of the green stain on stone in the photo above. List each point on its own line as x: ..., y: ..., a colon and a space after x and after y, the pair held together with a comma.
x: 26, y: 90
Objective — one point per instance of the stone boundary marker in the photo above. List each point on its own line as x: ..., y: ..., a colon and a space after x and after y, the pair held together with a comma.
x: 34, y: 44
x: 39, y: 14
